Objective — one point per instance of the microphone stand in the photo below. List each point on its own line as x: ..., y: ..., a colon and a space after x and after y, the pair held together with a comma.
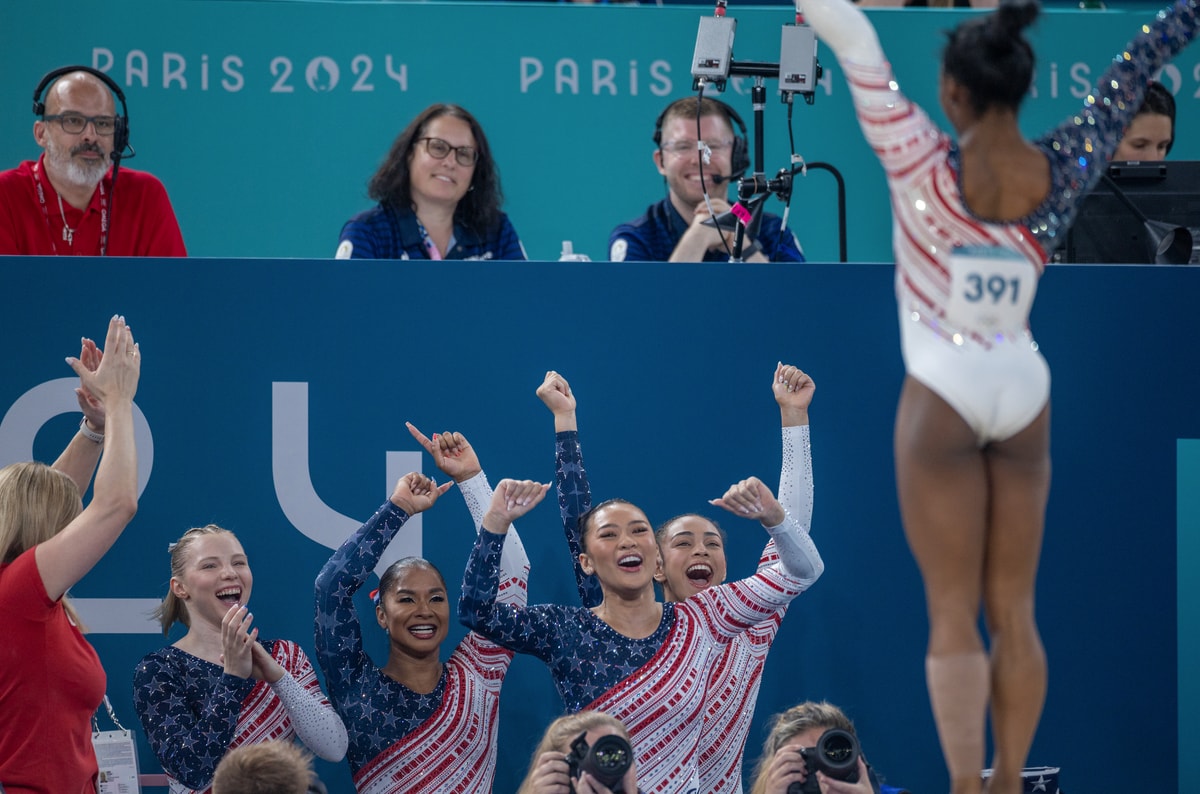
x: 748, y: 188
x: 781, y: 185
x: 757, y: 188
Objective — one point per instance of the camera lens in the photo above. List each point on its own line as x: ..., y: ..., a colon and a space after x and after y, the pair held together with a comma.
x: 837, y: 751
x: 609, y: 759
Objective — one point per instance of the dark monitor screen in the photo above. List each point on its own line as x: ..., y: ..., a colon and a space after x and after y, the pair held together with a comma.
x: 1106, y: 230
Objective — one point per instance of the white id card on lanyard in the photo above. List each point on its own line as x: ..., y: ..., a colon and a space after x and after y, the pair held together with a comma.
x: 116, y: 755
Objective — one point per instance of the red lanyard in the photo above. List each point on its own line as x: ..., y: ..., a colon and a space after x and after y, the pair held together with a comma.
x: 41, y: 194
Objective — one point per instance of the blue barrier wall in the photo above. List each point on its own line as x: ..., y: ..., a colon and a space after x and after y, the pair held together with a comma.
x: 266, y: 119
x: 672, y: 367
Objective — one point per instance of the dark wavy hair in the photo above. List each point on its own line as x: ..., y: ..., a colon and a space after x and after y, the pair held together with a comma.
x: 479, y: 209
x: 1159, y: 100
x: 990, y: 56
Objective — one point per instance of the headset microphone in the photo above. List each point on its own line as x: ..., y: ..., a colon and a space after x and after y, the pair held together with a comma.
x: 116, y: 156
x: 120, y: 136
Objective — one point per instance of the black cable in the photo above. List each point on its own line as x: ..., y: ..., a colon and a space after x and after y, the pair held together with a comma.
x: 787, y: 205
x: 700, y: 160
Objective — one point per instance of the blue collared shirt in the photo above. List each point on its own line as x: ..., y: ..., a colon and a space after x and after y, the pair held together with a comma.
x: 387, y: 233
x: 653, y: 236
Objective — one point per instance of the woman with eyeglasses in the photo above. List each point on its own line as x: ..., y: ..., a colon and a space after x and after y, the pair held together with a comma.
x: 439, y: 196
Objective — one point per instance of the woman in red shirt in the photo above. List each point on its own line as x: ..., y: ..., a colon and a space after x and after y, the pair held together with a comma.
x: 51, y: 680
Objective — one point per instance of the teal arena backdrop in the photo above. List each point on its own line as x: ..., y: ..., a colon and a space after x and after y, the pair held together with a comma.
x: 276, y: 388
x: 266, y: 119
x: 275, y: 393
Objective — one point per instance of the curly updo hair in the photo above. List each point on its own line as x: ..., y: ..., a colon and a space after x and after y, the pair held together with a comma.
x: 990, y: 56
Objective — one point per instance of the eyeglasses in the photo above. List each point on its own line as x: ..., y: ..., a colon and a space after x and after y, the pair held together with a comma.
x: 685, y: 147
x: 439, y: 149
x: 75, y: 123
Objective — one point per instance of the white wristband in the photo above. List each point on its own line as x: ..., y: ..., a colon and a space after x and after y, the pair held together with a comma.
x: 90, y: 434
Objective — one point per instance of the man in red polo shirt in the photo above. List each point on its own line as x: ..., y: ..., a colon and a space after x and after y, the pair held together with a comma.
x: 76, y: 200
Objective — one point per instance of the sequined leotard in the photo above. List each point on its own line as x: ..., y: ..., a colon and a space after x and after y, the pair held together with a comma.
x: 736, y: 674
x: 656, y: 685
x: 194, y: 712
x: 401, y: 741
x: 965, y: 284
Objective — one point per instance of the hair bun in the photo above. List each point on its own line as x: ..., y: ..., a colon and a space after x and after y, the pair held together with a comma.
x: 1013, y: 16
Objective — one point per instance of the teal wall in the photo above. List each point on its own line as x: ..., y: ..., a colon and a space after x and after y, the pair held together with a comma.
x: 262, y: 160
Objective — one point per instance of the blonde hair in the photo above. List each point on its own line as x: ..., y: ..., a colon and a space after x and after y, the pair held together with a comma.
x: 794, y: 722
x: 562, y: 732
x: 172, y: 610
x: 36, y: 503
x: 272, y: 767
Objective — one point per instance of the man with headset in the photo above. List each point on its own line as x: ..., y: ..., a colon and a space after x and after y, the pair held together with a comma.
x: 674, y: 229
x: 69, y: 201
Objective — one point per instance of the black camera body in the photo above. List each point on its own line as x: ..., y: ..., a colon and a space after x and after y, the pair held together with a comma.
x: 607, y: 760
x: 836, y: 754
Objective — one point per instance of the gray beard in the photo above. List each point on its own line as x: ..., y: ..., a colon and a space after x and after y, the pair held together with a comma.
x: 75, y: 172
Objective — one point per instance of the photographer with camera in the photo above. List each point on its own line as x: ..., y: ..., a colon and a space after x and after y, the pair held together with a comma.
x: 813, y: 749
x: 587, y: 752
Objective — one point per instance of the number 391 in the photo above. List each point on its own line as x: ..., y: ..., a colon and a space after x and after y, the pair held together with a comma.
x: 995, y: 286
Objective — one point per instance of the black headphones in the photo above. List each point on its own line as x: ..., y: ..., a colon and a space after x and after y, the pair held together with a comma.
x: 120, y: 133
x: 739, y: 159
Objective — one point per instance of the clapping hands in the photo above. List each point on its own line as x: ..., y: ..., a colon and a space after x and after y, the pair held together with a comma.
x: 110, y: 375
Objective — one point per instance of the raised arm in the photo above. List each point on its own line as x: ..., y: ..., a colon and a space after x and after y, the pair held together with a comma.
x: 338, y: 632
x: 570, y: 477
x: 456, y: 458
x: 78, y: 461
x: 794, y: 390
x: 845, y: 28
x: 798, y: 557
x: 64, y: 559
x: 508, y: 625
x: 736, y: 606
x: 1119, y: 91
